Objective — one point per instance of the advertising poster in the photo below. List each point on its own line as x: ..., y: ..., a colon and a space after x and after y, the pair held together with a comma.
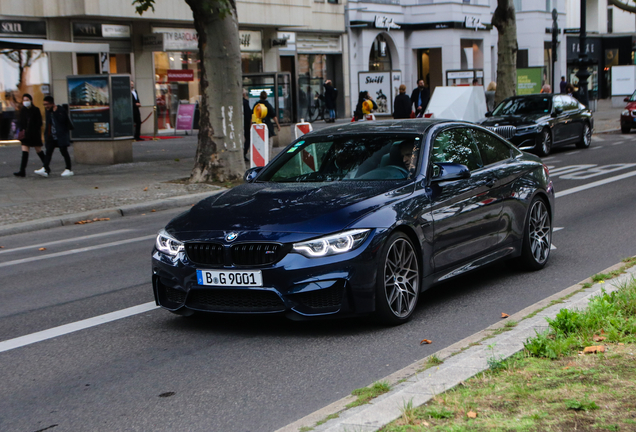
x: 122, y: 106
x: 185, y: 117
x: 378, y: 84
x: 89, y: 106
x: 529, y: 80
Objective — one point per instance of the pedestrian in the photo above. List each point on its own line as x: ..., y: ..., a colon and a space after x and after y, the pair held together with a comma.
x: 247, y: 125
x: 546, y: 88
x: 569, y: 90
x: 136, y: 113
x: 563, y: 85
x: 402, y: 104
x: 30, y: 134
x: 475, y: 82
x: 364, y: 106
x: 271, y: 114
x: 330, y: 100
x: 490, y: 96
x: 56, y: 135
x: 419, y: 98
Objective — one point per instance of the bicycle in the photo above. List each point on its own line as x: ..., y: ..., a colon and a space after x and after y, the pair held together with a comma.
x: 316, y: 110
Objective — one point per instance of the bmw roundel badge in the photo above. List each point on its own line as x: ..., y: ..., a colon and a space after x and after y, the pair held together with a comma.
x: 231, y: 237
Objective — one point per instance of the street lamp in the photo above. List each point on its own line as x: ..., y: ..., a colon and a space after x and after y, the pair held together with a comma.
x: 583, y: 61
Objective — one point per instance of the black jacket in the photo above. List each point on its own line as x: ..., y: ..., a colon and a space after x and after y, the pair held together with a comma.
x: 330, y: 97
x: 402, y: 107
x: 271, y: 112
x: 135, y: 101
x: 426, y: 96
x: 61, y: 127
x: 31, y: 123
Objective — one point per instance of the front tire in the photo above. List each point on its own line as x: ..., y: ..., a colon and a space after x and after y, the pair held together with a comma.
x: 586, y: 137
x: 398, y: 280
x: 625, y: 129
x: 544, y: 146
x: 537, y: 237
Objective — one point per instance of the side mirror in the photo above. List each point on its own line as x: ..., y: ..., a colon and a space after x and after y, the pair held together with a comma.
x: 488, y: 114
x: 557, y: 111
x: 251, y: 174
x: 447, y: 171
x: 626, y: 99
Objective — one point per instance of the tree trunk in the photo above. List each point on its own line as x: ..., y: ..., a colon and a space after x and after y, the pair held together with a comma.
x: 504, y: 20
x: 219, y: 155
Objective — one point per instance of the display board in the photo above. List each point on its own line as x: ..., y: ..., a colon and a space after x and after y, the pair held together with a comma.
x: 122, y: 106
x: 185, y: 117
x: 89, y: 106
x: 529, y: 80
x: 378, y: 84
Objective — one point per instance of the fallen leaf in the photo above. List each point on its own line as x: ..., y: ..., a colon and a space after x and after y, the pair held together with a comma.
x: 425, y: 342
x: 153, y: 210
x: 594, y: 349
x: 96, y: 187
x: 504, y: 315
x: 621, y: 343
x: 566, y: 368
x: 425, y: 423
x: 1, y: 247
x: 472, y: 414
x: 143, y: 214
x: 602, y: 331
x: 146, y: 188
x: 42, y: 249
x: 597, y: 338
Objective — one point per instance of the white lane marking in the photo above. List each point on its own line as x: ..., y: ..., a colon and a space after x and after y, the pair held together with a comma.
x: 596, y: 148
x: 75, y: 326
x: 68, y: 240
x: 594, y: 184
x: 598, y: 138
x: 76, y: 251
x: 550, y: 159
x: 557, y: 229
x: 574, y: 152
x: 569, y: 169
x: 596, y: 171
x: 619, y: 142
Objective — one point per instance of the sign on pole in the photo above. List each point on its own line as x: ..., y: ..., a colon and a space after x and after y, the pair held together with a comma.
x: 259, y: 148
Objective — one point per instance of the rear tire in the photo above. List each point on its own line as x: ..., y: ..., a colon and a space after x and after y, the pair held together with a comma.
x: 544, y: 146
x: 398, y: 280
x: 586, y: 137
x: 537, y: 237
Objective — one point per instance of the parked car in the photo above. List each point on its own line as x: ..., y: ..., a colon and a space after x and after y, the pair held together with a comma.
x: 540, y: 122
x: 358, y: 219
x: 628, y: 116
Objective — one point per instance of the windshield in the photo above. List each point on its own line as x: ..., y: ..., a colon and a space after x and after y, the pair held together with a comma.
x: 632, y: 98
x: 524, y: 106
x: 346, y: 158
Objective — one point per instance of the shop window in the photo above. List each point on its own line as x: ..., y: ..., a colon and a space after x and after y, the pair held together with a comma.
x: 380, y: 56
x: 522, y: 58
x: 88, y: 64
x: 120, y: 64
x: 251, y: 62
x: 34, y: 80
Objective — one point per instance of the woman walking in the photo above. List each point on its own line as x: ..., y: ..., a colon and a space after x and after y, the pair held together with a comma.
x: 30, y: 125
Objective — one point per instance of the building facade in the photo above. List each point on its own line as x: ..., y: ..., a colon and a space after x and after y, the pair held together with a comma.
x: 288, y: 48
x: 443, y: 42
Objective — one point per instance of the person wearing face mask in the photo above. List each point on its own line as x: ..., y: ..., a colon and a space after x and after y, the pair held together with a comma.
x: 30, y: 135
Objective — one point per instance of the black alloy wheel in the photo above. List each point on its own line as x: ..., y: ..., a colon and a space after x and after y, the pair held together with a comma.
x: 544, y: 145
x: 537, y: 237
x: 625, y: 129
x: 398, y: 280
x: 586, y: 137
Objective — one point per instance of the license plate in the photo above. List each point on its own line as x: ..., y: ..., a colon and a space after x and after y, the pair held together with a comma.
x: 229, y: 278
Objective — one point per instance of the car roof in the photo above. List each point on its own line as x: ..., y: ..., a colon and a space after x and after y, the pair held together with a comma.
x: 418, y: 126
x: 535, y: 95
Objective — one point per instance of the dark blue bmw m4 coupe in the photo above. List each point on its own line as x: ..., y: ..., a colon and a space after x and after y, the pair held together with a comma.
x: 358, y: 219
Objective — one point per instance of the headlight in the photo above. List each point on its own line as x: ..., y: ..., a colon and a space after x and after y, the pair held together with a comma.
x: 167, y: 244
x: 333, y: 244
x: 625, y: 112
x: 528, y: 129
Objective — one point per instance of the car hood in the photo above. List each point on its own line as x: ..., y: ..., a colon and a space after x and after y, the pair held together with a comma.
x: 631, y: 106
x: 513, y: 120
x: 288, y: 207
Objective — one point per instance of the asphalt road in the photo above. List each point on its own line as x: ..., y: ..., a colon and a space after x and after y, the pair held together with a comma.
x: 155, y: 371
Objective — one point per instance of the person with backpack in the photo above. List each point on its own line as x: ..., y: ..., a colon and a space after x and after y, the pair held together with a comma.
x: 56, y: 134
x: 271, y: 114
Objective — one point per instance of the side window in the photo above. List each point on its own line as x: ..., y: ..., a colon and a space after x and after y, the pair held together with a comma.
x: 457, y: 146
x: 558, y: 103
x: 492, y: 149
x: 570, y: 104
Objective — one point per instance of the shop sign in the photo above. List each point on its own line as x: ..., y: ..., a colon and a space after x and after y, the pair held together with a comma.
x: 384, y: 22
x: 592, y: 48
x: 185, y: 117
x: 473, y: 22
x: 22, y: 28
x: 176, y: 39
x: 250, y: 41
x: 115, y: 31
x: 316, y: 43
x: 179, y: 75
x: 459, y: 75
x: 378, y: 84
x: 153, y: 42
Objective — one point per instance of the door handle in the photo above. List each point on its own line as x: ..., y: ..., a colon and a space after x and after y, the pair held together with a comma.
x: 489, y: 182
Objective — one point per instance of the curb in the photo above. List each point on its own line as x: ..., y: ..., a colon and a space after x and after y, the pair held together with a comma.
x: 126, y: 210
x: 461, y: 361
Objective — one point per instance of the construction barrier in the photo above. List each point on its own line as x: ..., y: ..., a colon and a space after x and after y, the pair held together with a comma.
x: 302, y: 128
x: 259, y: 148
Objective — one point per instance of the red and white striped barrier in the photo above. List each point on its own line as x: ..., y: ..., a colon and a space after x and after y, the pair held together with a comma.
x: 259, y: 148
x: 303, y: 128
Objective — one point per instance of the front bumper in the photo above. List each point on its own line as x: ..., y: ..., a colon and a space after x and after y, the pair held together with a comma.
x: 298, y: 286
x: 526, y: 141
x: 628, y: 121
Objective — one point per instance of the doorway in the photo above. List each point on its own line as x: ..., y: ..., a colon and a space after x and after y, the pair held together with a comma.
x: 429, y: 67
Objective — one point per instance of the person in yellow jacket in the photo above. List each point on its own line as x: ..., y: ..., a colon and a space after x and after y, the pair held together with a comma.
x: 264, y: 112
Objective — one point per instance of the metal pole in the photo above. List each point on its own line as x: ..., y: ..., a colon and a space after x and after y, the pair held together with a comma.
x: 583, y: 62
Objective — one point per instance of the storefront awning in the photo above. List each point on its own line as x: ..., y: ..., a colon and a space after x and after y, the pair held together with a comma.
x: 53, y: 45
